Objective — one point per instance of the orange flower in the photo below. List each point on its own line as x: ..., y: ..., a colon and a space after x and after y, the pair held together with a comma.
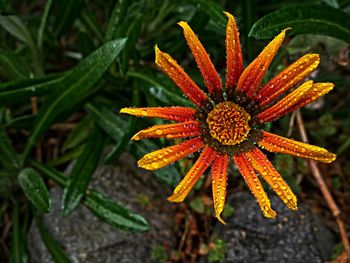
x: 225, y: 122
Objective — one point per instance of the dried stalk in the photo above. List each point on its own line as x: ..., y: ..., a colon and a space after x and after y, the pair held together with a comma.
x: 325, y: 191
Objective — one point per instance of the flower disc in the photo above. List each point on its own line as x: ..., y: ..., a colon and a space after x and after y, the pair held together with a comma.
x: 228, y: 123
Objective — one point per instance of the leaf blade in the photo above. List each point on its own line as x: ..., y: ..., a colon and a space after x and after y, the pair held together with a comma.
x: 304, y: 19
x: 35, y: 189
x: 82, y: 172
x: 79, y: 82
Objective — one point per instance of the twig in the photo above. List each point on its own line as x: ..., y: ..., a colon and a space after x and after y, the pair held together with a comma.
x: 325, y: 191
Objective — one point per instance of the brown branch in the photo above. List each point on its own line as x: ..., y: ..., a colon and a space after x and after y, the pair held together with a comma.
x: 325, y: 191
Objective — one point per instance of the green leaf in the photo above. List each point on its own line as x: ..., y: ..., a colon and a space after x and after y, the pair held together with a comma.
x: 116, y: 18
x: 43, y: 24
x: 103, y: 207
x: 74, y: 88
x: 8, y: 156
x: 82, y: 172
x: 163, y: 94
x: 304, y: 19
x: 15, y: 65
x: 66, y: 13
x: 18, y: 244
x: 213, y: 10
x: 110, y: 122
x: 114, y: 214
x: 57, y: 253
x: 21, y: 90
x: 35, y: 189
x: 128, y: 131
x: 79, y: 134
x: 15, y: 26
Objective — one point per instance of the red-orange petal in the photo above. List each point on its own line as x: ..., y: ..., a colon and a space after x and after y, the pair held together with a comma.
x: 271, y: 176
x: 187, y: 183
x: 248, y: 174
x: 211, y: 77
x: 287, y: 78
x: 295, y: 100
x: 282, y: 107
x: 251, y: 78
x: 179, y: 76
x: 170, y: 131
x: 163, y: 157
x: 178, y: 114
x: 279, y: 144
x: 219, y: 178
x: 234, y: 61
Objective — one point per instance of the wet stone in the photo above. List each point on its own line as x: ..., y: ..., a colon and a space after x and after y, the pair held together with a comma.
x: 88, y: 240
x: 296, y: 237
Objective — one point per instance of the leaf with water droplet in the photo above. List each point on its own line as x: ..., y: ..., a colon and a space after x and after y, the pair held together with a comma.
x: 35, y: 189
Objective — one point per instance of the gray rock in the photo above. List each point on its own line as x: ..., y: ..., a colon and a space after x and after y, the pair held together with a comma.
x: 291, y: 237
x: 86, y: 239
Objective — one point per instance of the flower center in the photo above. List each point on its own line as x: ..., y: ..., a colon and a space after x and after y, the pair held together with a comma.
x: 228, y: 123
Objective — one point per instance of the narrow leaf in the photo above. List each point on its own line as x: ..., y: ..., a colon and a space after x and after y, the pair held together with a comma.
x: 21, y: 90
x: 43, y: 23
x: 67, y: 12
x: 213, y: 10
x: 57, y: 253
x: 115, y: 19
x: 74, y: 88
x: 15, y: 65
x: 82, y: 172
x: 304, y: 19
x: 114, y: 214
x: 18, y: 249
x: 110, y: 122
x: 79, y: 133
x: 102, y: 206
x: 35, y: 189
x: 8, y: 156
x: 15, y: 26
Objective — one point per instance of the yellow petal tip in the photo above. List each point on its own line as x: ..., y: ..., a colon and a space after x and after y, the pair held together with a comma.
x: 228, y: 15
x: 220, y: 219
x: 136, y: 137
x: 124, y: 110
x: 175, y: 198
x: 182, y: 23
x: 269, y: 212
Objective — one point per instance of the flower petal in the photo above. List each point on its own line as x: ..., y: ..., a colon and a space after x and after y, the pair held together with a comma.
x: 169, y: 131
x: 248, y: 173
x: 211, y: 77
x: 295, y: 100
x: 282, y: 107
x: 219, y: 177
x: 287, y: 78
x: 234, y: 62
x: 264, y: 167
x: 179, y: 76
x: 279, y: 144
x: 252, y: 76
x: 163, y: 157
x: 187, y: 183
x: 178, y: 114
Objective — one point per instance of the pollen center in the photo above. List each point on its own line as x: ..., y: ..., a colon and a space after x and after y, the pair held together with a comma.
x: 228, y: 123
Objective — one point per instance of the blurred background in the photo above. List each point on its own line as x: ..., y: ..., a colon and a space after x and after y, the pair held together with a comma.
x: 70, y: 190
